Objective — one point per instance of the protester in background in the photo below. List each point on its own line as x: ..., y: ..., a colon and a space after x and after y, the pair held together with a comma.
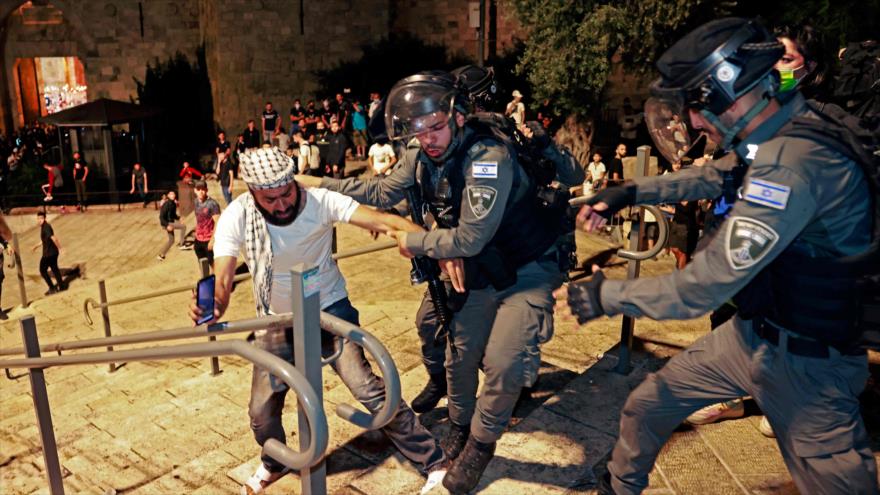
x: 140, y: 183
x: 168, y: 218
x: 5, y: 240
x: 382, y: 157
x: 187, y: 172
x: 251, y: 135
x: 337, y: 143
x: 80, y: 172
x: 207, y: 212
x: 516, y: 109
x: 54, y: 180
x: 51, y: 249
x: 359, y: 131
x: 271, y: 123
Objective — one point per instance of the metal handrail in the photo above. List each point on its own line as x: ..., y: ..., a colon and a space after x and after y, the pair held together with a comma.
x: 150, y: 295
x: 279, y: 322
x: 93, y: 304
x: 662, y: 237
x: 371, y: 344
x: 314, y: 411
x: 662, y: 224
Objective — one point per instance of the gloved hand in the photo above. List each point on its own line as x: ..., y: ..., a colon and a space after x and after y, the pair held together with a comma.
x: 583, y: 298
x: 537, y: 134
x: 602, y: 206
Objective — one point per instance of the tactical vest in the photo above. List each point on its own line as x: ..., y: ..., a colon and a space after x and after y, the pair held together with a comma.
x: 525, y: 231
x: 832, y: 300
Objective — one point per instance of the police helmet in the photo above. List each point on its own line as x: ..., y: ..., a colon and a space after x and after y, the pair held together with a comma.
x: 480, y: 85
x: 413, y: 100
x: 707, y: 71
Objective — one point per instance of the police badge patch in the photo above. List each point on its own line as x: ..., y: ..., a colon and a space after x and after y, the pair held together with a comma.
x: 481, y: 200
x: 748, y: 241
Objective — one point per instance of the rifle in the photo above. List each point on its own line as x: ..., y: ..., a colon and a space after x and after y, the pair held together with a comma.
x: 425, y: 269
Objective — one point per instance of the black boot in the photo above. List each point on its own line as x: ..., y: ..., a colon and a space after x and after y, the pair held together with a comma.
x: 428, y: 398
x: 455, y: 439
x: 465, y: 472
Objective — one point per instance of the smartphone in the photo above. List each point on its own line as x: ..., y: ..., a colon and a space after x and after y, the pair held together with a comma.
x: 205, y: 298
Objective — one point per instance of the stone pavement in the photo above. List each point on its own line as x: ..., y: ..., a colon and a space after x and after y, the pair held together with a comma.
x: 170, y: 427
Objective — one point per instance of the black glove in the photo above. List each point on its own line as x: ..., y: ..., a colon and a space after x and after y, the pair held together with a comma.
x: 616, y: 197
x: 583, y: 298
x: 540, y: 138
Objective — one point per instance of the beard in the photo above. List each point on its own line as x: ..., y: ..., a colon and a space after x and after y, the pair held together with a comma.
x: 278, y: 218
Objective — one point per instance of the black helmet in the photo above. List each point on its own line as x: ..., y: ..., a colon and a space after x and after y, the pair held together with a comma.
x: 419, y: 96
x: 480, y: 84
x: 708, y: 70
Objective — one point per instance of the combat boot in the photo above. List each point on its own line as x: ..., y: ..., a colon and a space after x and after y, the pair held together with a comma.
x: 466, y: 470
x: 428, y: 398
x: 455, y: 439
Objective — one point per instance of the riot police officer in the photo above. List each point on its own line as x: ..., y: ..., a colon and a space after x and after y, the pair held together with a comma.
x: 504, y: 263
x: 790, y: 252
x: 481, y: 90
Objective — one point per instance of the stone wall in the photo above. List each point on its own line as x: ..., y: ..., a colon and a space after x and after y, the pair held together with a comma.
x: 261, y: 51
x: 445, y: 22
x: 106, y: 36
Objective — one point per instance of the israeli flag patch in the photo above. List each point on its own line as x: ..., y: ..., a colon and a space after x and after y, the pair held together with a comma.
x: 485, y: 170
x: 764, y: 192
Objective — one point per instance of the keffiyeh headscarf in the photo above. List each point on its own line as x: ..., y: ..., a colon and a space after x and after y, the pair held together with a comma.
x: 263, y: 168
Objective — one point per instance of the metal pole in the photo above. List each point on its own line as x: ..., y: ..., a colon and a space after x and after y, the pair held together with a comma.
x: 19, y: 270
x: 41, y: 406
x: 307, y: 358
x: 105, y: 315
x: 636, y: 237
x: 481, y: 42
x: 215, y: 361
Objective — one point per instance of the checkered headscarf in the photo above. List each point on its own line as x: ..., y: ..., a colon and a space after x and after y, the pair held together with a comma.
x: 263, y: 168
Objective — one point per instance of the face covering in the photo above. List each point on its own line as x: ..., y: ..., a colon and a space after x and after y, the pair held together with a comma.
x: 789, y: 78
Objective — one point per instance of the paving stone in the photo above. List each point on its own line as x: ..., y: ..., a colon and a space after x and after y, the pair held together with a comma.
x: 687, y: 475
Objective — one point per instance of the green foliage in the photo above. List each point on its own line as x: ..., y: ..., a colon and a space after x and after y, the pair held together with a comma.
x: 571, y: 43
x: 385, y: 62
x: 186, y: 125
x: 569, y: 50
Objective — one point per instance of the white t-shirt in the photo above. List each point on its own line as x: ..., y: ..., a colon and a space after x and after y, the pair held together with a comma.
x: 382, y: 155
x: 517, y: 110
x: 283, y: 141
x: 307, y: 240
x: 596, y: 171
x: 304, y: 156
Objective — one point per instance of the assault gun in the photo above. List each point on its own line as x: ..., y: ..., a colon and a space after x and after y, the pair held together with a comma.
x: 424, y: 269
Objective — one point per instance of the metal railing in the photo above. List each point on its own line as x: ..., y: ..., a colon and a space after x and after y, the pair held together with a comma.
x: 305, y: 379
x: 635, y: 255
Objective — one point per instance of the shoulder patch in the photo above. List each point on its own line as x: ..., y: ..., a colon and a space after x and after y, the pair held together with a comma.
x: 484, y: 170
x: 481, y: 199
x: 766, y: 193
x: 748, y: 241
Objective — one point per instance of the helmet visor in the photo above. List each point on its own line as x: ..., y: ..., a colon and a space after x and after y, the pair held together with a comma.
x: 413, y: 109
x: 669, y: 126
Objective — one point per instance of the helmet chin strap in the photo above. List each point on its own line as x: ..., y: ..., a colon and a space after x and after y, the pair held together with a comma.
x: 729, y: 134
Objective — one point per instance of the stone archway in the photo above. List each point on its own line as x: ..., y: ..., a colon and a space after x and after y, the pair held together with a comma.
x: 76, y: 42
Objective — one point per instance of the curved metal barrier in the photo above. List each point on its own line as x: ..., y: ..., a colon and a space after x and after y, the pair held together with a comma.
x: 312, y: 407
x: 390, y: 376
x: 662, y: 237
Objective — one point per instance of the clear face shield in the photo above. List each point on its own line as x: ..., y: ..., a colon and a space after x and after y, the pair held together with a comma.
x: 670, y: 127
x: 413, y: 109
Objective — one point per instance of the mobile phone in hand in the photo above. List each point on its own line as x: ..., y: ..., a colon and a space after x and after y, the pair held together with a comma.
x: 205, y: 298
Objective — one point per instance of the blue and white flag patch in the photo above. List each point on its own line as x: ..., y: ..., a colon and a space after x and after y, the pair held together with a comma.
x: 764, y: 192
x: 485, y: 170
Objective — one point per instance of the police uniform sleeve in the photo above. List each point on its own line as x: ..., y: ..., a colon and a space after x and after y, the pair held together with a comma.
x: 568, y: 170
x: 382, y: 192
x: 778, y: 202
x: 688, y: 184
x: 488, y: 176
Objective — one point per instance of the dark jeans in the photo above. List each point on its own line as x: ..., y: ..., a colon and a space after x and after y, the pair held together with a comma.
x: 47, y: 262
x: 267, y: 396
x: 226, y: 194
x: 80, y: 192
x: 202, y: 251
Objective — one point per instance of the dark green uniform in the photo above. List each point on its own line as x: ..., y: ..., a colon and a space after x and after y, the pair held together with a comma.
x: 798, y: 196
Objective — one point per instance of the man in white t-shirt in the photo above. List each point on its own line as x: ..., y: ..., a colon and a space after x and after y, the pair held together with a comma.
x: 305, y: 152
x: 382, y: 157
x: 516, y: 109
x: 595, y: 174
x: 276, y: 225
